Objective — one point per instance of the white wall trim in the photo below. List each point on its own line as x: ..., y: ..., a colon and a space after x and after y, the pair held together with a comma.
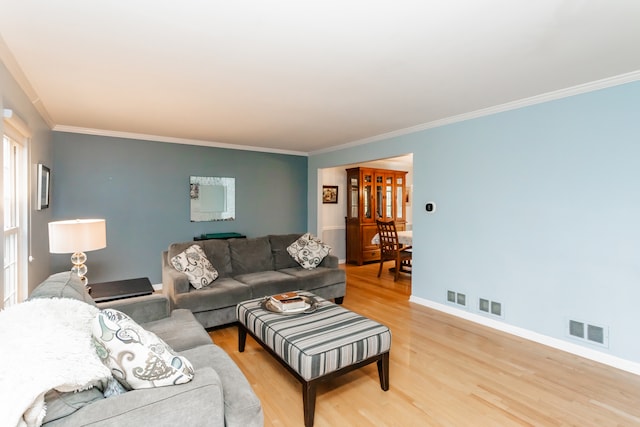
x: 172, y: 140
x: 333, y: 227
x: 607, y: 359
x: 538, y: 99
x: 16, y: 121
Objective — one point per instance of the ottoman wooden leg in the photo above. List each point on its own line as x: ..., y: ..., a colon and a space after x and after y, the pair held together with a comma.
x: 383, y: 371
x: 309, y: 402
x: 242, y: 338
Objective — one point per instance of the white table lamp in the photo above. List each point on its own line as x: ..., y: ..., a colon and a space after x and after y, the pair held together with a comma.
x: 77, y: 237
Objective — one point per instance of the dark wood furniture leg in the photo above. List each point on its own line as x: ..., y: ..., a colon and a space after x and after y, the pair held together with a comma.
x: 242, y: 337
x: 382, y: 260
x: 383, y: 371
x: 309, y: 402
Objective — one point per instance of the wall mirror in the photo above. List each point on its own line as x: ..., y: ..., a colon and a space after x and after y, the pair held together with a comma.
x: 212, y: 198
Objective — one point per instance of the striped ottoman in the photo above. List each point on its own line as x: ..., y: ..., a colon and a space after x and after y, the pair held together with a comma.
x: 317, y: 346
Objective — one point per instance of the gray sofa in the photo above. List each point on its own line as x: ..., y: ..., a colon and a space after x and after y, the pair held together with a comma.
x: 218, y: 395
x: 248, y: 268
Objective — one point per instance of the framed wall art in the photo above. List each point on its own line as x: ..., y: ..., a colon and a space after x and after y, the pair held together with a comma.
x: 44, y: 183
x: 329, y: 194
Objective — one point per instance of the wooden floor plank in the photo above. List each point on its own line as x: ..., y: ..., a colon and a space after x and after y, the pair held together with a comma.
x: 444, y: 371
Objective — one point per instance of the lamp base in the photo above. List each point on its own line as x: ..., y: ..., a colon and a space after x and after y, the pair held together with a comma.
x: 78, y: 259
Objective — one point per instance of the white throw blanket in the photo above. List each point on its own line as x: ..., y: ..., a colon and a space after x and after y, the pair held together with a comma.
x: 44, y: 344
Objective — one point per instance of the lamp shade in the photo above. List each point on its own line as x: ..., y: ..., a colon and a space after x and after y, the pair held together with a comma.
x: 79, y: 235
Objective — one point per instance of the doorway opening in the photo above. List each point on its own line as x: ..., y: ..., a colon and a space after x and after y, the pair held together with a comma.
x: 333, y: 217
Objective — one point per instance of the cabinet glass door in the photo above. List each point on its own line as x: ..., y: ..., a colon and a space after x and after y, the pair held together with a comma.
x: 379, y: 196
x: 367, y: 195
x: 353, y: 197
x: 400, y: 197
x: 388, y: 197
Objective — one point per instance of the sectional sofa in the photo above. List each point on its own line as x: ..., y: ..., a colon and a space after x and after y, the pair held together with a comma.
x: 247, y: 268
x: 217, y: 395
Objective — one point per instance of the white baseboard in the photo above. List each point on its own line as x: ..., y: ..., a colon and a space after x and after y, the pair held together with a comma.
x: 157, y: 287
x: 597, y: 356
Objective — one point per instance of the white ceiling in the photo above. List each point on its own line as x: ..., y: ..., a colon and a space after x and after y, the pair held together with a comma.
x: 303, y: 76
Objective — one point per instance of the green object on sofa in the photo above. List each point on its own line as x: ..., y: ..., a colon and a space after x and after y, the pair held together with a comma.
x: 248, y: 268
x: 218, y: 395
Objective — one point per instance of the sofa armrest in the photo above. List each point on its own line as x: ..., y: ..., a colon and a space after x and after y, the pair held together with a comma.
x: 199, y: 402
x: 330, y: 261
x: 142, y: 309
x: 173, y: 281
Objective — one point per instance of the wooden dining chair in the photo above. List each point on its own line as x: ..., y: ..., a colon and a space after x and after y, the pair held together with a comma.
x: 390, y: 249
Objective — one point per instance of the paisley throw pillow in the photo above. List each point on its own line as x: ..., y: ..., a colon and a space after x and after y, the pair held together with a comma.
x: 194, y: 263
x: 308, y: 251
x: 137, y: 358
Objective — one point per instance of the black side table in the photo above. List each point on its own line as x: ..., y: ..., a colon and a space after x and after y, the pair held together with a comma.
x: 128, y: 288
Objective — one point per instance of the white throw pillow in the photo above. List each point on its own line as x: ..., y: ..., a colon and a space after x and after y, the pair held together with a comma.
x: 308, y: 251
x: 137, y: 358
x: 194, y: 263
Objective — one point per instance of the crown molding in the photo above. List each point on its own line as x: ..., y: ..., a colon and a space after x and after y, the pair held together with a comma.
x: 9, y: 61
x: 7, y: 58
x: 538, y: 99
x: 172, y: 140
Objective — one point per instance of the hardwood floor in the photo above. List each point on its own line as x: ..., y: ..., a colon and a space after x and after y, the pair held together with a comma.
x: 444, y: 371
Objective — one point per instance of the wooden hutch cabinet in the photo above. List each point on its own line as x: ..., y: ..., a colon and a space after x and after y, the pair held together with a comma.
x: 372, y: 194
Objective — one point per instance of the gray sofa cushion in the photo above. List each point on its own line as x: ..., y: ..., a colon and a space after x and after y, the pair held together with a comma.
x: 250, y: 255
x: 318, y: 277
x: 218, y: 253
x: 221, y: 293
x: 241, y: 406
x: 279, y: 244
x: 330, y: 261
x: 180, y: 331
x: 265, y: 283
x: 199, y: 402
x: 142, y: 309
x: 62, y: 285
x: 220, y: 316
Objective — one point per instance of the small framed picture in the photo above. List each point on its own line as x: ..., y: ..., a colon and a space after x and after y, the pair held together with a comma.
x: 329, y: 194
x: 44, y: 179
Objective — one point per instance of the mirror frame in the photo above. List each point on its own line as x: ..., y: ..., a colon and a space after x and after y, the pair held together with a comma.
x: 212, y: 198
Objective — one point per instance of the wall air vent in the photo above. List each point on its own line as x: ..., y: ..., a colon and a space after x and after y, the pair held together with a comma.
x: 490, y: 307
x: 451, y: 296
x: 584, y: 331
x: 457, y: 298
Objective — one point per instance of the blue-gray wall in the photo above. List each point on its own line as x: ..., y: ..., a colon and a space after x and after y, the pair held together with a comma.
x: 537, y: 208
x: 14, y: 98
x: 141, y: 188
